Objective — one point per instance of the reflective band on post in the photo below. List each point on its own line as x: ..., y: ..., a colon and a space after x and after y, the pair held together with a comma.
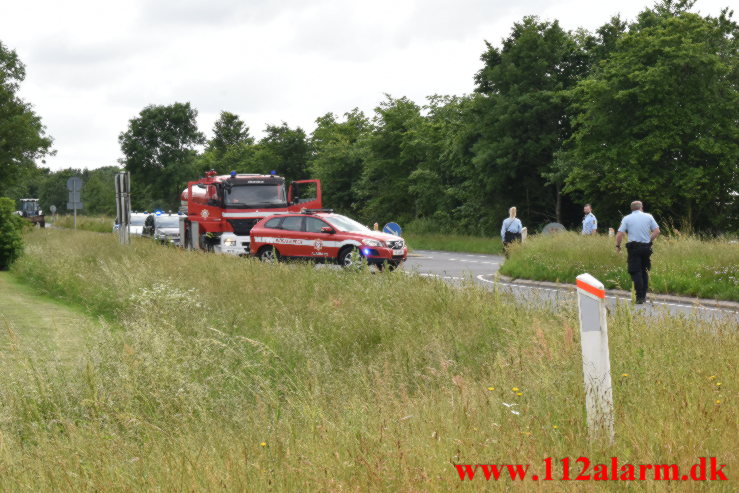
x: 600, y: 293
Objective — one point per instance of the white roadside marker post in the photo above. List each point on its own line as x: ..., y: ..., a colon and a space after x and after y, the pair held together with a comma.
x: 596, y: 361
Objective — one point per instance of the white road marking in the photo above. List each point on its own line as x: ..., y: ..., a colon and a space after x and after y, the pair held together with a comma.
x: 435, y: 276
x: 484, y: 262
x: 481, y: 278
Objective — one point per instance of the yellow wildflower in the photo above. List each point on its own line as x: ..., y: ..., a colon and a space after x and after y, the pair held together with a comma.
x: 519, y: 393
x: 491, y: 388
x: 624, y: 374
x: 515, y: 389
x: 263, y: 444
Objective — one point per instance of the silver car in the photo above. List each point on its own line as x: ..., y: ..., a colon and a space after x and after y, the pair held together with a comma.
x: 164, y: 228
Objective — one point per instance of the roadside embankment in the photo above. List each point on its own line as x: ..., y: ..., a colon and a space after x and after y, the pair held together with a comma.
x: 687, y: 266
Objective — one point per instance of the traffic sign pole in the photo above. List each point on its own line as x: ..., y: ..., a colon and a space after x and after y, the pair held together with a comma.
x: 74, y: 185
x: 596, y: 361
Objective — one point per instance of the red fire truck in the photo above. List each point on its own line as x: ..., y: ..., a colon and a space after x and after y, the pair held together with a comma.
x: 218, y: 211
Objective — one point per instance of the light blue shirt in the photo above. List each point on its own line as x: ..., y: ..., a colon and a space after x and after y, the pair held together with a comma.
x: 510, y: 225
x: 589, y: 224
x: 638, y: 225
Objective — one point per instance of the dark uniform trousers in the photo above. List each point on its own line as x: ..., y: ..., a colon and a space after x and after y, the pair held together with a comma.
x: 638, y: 264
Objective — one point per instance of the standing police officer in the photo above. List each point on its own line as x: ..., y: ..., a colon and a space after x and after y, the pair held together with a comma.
x: 642, y: 230
x: 589, y: 222
x: 511, y: 229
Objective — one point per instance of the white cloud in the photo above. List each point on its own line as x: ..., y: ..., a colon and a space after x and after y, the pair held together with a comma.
x: 92, y: 66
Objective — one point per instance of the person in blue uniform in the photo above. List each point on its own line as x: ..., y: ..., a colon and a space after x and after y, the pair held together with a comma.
x: 511, y: 229
x: 641, y: 229
x: 589, y: 222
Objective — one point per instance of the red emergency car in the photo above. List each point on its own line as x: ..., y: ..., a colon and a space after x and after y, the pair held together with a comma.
x: 321, y: 235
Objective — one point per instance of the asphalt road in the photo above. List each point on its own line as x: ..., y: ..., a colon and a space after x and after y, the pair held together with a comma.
x: 481, y: 269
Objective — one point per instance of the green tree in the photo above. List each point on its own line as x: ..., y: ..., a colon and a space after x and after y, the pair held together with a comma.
x: 657, y: 119
x: 230, y: 149
x: 228, y: 131
x: 52, y: 189
x: 523, y: 116
x: 338, y: 153
x: 23, y: 138
x: 11, y: 226
x: 394, y: 152
x: 159, y: 151
x: 99, y: 190
x: 444, y: 186
x: 282, y: 149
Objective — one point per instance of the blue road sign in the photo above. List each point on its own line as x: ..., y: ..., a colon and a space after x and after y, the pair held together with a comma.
x: 392, y: 229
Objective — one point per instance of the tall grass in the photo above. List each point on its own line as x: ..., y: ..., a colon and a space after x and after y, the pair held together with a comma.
x: 99, y: 224
x: 216, y: 373
x: 707, y: 268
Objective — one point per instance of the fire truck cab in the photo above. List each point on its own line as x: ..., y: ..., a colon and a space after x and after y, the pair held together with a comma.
x: 220, y: 210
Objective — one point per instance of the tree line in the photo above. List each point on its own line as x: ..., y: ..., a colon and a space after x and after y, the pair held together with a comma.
x: 644, y: 110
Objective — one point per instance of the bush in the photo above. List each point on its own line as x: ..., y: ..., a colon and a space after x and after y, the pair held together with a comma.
x: 11, y: 227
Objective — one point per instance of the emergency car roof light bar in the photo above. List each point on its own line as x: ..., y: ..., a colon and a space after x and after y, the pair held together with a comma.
x: 313, y: 211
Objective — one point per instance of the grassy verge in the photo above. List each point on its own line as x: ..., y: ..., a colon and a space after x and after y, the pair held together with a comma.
x: 30, y: 320
x: 454, y: 243
x: 99, y: 224
x: 226, y: 374
x: 684, y: 266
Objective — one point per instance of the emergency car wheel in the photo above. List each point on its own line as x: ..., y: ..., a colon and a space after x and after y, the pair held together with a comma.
x: 268, y: 254
x: 351, y: 258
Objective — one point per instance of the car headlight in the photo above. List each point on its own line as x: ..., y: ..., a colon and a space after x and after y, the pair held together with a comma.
x: 229, y: 242
x: 373, y: 243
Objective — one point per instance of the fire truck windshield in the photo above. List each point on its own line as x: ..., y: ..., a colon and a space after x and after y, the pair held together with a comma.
x: 244, y: 196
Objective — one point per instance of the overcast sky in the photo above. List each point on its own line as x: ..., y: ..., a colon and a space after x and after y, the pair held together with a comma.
x: 93, y: 65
